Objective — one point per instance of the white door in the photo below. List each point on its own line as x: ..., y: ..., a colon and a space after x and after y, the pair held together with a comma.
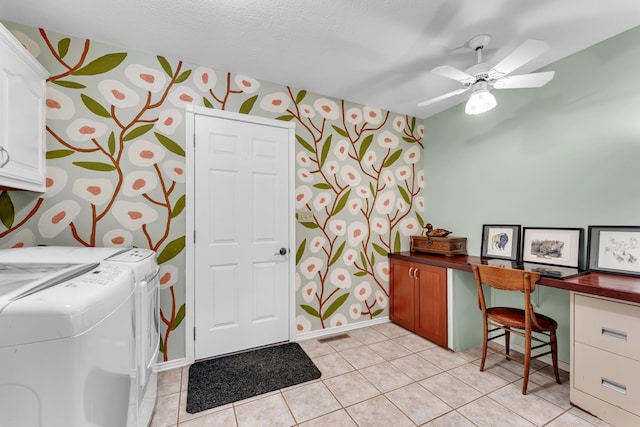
x: 242, y: 223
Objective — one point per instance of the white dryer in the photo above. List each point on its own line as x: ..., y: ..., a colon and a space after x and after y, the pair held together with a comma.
x: 144, y: 265
x: 67, y: 347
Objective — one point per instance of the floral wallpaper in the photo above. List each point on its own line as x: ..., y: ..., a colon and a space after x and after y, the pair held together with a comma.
x: 116, y: 175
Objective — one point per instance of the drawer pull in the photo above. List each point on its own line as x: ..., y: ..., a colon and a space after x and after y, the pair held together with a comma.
x: 612, y: 385
x: 614, y: 334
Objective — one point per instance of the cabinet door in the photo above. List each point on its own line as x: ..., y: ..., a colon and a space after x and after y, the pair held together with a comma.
x: 402, y: 289
x: 431, y: 304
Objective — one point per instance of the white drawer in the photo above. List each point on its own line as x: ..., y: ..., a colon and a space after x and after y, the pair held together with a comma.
x: 612, y: 378
x: 609, y: 325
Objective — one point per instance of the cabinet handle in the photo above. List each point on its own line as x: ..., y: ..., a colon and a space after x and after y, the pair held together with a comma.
x: 614, y: 334
x: 415, y: 273
x: 5, y: 155
x: 410, y: 275
x: 612, y: 385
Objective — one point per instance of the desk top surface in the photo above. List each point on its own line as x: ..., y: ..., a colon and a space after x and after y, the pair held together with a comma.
x: 625, y: 288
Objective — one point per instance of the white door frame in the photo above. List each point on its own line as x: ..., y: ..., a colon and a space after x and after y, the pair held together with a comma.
x: 191, y: 112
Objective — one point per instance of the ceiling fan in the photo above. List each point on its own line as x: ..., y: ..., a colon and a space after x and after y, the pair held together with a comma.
x: 480, y: 78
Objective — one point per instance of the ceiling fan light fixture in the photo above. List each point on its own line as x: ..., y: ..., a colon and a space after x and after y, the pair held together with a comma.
x: 481, y: 100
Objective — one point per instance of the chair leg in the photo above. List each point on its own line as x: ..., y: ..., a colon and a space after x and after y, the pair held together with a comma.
x: 484, y: 345
x: 507, y: 339
x: 527, y: 361
x: 554, y: 354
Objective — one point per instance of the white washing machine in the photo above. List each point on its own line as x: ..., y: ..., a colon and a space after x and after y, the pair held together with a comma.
x: 147, y: 307
x: 67, y: 347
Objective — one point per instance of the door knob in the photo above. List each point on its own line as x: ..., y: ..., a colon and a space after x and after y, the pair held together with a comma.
x: 282, y: 251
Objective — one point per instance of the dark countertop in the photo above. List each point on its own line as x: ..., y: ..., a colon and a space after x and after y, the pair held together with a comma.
x: 625, y: 288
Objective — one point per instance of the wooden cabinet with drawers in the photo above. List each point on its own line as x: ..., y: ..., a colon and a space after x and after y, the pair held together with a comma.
x: 418, y: 299
x: 605, y: 358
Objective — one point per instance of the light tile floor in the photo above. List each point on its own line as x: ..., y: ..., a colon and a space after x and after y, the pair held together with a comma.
x: 384, y: 375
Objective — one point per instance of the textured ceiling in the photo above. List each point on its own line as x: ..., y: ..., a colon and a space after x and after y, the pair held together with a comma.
x: 374, y: 52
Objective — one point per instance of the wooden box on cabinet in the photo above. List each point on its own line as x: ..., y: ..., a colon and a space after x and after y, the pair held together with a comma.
x: 418, y: 299
x: 449, y: 246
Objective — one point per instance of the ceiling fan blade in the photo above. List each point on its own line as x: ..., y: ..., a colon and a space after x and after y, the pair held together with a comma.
x: 524, y: 53
x: 453, y: 73
x: 524, y: 80
x: 441, y: 97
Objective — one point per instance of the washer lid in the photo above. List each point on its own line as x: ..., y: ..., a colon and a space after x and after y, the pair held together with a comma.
x: 58, y: 254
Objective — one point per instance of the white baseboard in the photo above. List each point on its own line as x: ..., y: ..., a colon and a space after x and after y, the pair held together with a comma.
x: 171, y: 364
x: 340, y: 329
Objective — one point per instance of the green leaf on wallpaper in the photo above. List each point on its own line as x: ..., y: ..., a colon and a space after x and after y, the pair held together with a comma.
x: 404, y: 194
x: 325, y: 150
x: 420, y: 220
x: 165, y: 66
x: 363, y: 260
x: 409, y: 140
x: 94, y: 106
x: 360, y: 273
x: 161, y: 344
x: 310, y: 225
x: 7, y: 210
x: 300, y: 251
x: 377, y: 312
x: 322, y: 186
x: 305, y: 144
x: 68, y: 84
x: 340, y: 131
x: 101, y: 65
x: 137, y: 132
x: 58, y: 154
x: 413, y: 124
x: 364, y: 145
x: 179, y: 317
x: 170, y: 144
x: 183, y: 76
x: 63, y: 47
x: 312, y: 311
x: 335, y: 306
x: 247, y: 105
x: 206, y: 102
x: 112, y: 143
x: 178, y: 207
x: 373, y: 258
x: 341, y: 203
x: 95, y: 166
x: 373, y: 190
x: 382, y: 251
x: 300, y: 96
x: 285, y: 118
x: 336, y: 256
x: 397, y: 244
x: 392, y: 158
x: 172, y: 249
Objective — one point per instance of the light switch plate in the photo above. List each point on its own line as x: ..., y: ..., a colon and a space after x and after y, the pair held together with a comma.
x: 305, y: 216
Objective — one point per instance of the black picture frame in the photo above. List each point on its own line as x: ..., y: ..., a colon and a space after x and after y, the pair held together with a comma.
x: 501, y: 242
x: 552, y: 245
x: 614, y: 249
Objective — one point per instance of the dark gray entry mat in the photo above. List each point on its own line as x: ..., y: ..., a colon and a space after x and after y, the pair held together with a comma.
x: 227, y: 379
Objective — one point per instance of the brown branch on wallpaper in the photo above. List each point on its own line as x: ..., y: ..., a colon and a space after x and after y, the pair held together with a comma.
x: 70, y: 69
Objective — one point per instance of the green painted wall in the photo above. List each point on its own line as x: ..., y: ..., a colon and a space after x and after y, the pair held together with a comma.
x: 565, y: 155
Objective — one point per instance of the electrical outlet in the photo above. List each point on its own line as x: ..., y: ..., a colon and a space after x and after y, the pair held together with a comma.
x: 305, y: 216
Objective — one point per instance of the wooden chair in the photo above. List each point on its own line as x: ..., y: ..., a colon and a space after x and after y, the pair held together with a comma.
x: 521, y: 322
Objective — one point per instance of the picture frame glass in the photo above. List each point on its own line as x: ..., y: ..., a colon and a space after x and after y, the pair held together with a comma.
x: 619, y: 250
x: 554, y: 246
x: 501, y: 241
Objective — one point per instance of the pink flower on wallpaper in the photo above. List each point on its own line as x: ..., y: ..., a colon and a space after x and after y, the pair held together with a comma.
x: 372, y: 115
x: 303, y: 159
x: 349, y: 257
x: 379, y: 225
x: 277, y: 102
x: 316, y: 244
x: 412, y: 155
x: 168, y: 120
x: 340, y: 278
x: 385, y: 202
x: 96, y: 191
x: 353, y: 116
x: 144, y: 153
x: 362, y: 291
x: 420, y: 129
x: 302, y: 324
x: 168, y: 275
x: 418, y: 202
x: 307, y: 111
x: 55, y: 219
x: 356, y: 232
x: 139, y: 182
x: 403, y: 173
x: 381, y: 298
x: 309, y: 267
x: 55, y: 182
x: 304, y: 175
x: 85, y: 130
x: 182, y: 96
x: 58, y: 105
x: 21, y: 239
x: 354, y: 206
x: 331, y: 167
x: 117, y: 238
x: 369, y: 158
x: 204, y: 78
x: 133, y: 215
x: 363, y: 191
x: 149, y: 79
x: 322, y: 200
x: 341, y: 149
x: 398, y: 123
x: 420, y: 178
x: 410, y: 227
x: 350, y: 175
x: 27, y: 42
x: 383, y: 270
x: 338, y: 320
x: 401, y: 206
x: 247, y: 84
x: 118, y: 94
x: 338, y: 227
x: 388, y: 140
x: 388, y: 178
x: 355, y: 311
x: 327, y: 108
x: 309, y: 292
x: 303, y: 195
x: 175, y: 170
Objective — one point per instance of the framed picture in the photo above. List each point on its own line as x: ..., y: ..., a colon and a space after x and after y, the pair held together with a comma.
x: 614, y: 249
x: 501, y: 241
x: 554, y: 246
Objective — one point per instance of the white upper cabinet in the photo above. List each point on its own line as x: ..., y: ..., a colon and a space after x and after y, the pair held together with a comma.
x: 22, y: 117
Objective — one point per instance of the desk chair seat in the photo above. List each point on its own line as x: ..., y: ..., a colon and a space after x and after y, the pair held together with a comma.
x: 522, y: 322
